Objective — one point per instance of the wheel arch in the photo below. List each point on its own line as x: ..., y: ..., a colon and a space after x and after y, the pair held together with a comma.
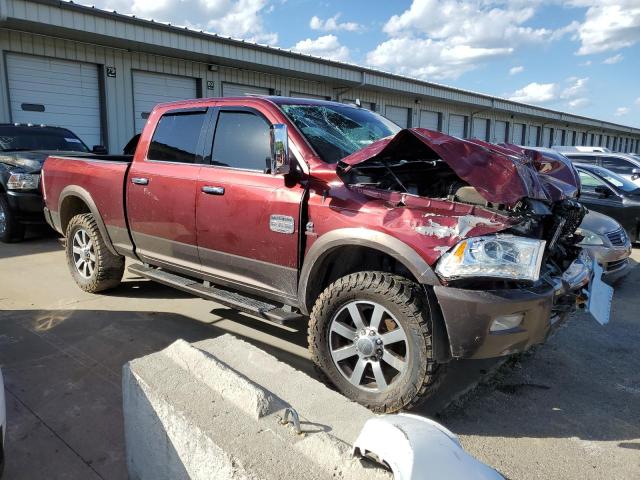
x: 336, y: 243
x: 75, y: 200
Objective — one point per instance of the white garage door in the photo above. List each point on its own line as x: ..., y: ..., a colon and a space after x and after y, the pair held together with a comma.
x: 368, y: 105
x: 500, y: 135
x: 430, y: 120
x: 456, y: 126
x: 480, y: 128
x: 518, y: 134
x: 238, y: 90
x: 399, y: 115
x: 546, y: 137
x: 558, y: 137
x: 150, y: 89
x: 55, y: 92
x: 533, y: 136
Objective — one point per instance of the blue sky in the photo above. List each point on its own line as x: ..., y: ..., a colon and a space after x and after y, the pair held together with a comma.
x: 580, y: 56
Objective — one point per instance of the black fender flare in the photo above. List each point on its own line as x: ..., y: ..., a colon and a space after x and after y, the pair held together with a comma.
x: 85, y: 196
x: 374, y: 239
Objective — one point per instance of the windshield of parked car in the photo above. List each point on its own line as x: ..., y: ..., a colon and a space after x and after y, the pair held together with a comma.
x: 336, y: 131
x: 617, y: 181
x: 19, y: 138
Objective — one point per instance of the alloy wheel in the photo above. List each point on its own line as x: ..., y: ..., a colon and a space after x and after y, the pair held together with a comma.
x: 368, y: 345
x: 84, y: 255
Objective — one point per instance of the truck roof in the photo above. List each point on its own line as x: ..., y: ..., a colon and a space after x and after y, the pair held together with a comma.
x: 278, y: 100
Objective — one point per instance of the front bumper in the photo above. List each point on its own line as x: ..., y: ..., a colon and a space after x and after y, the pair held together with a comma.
x: 26, y: 206
x: 614, y: 260
x: 469, y: 314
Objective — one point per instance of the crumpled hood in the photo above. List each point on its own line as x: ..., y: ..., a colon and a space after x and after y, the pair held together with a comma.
x: 501, y: 173
x: 31, y: 161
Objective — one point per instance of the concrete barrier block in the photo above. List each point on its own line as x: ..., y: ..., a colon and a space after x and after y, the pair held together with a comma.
x: 212, y: 410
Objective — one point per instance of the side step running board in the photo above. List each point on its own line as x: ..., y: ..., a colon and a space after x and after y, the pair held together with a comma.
x: 225, y: 297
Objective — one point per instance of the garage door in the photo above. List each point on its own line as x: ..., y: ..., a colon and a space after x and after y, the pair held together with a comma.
x: 500, y: 135
x: 55, y: 92
x: 480, y: 128
x: 238, y: 90
x: 399, y: 115
x: 429, y: 120
x: 533, y: 136
x: 558, y: 137
x: 150, y: 89
x: 456, y: 126
x: 518, y: 134
x: 546, y: 137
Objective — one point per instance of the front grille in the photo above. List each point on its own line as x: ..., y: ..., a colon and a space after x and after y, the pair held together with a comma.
x: 611, y: 266
x: 618, y: 238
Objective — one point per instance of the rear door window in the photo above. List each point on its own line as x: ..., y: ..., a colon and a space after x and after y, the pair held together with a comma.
x: 176, y: 137
x: 618, y: 165
x: 242, y: 140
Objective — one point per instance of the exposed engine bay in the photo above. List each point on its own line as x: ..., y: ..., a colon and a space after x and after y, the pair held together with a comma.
x: 420, y: 171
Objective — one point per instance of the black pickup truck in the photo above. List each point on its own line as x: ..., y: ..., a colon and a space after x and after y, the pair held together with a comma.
x: 23, y: 150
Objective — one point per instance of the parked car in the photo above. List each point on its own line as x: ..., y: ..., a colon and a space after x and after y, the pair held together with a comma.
x: 406, y: 248
x: 623, y: 164
x: 580, y: 148
x: 608, y: 243
x: 609, y: 193
x: 3, y: 424
x: 23, y: 149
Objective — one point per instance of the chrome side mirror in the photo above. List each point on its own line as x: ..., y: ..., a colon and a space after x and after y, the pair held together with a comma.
x: 635, y: 173
x: 280, y: 162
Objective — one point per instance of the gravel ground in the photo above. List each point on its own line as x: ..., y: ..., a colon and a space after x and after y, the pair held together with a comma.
x: 570, y: 409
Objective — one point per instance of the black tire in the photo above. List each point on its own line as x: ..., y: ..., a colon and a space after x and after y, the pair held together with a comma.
x: 10, y: 229
x: 108, y: 268
x: 403, y: 299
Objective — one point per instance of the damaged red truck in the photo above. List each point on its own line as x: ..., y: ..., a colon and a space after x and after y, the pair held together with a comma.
x: 403, y: 249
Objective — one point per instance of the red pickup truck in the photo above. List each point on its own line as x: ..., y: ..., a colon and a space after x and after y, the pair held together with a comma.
x: 403, y: 249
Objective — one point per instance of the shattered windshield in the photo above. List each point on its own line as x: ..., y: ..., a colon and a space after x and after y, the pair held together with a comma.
x: 335, y: 131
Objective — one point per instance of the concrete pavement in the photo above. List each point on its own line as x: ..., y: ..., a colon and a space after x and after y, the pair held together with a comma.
x: 568, y: 411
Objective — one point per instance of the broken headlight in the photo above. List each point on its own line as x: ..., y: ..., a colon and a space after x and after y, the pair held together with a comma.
x: 495, y: 256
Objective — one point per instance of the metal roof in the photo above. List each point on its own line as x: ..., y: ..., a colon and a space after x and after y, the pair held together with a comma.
x: 109, y: 28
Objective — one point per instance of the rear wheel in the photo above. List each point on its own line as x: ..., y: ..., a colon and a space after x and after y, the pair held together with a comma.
x: 10, y: 229
x: 93, y: 267
x: 370, y: 333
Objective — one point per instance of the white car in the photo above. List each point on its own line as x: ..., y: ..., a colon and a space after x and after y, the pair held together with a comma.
x: 3, y: 423
x: 624, y: 164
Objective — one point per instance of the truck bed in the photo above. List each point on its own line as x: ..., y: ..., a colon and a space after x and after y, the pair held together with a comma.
x: 98, y: 180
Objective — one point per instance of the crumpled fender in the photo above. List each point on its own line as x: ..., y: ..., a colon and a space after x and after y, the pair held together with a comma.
x: 416, y: 448
x: 502, y: 174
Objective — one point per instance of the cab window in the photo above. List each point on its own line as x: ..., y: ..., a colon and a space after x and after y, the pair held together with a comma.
x: 242, y: 140
x: 176, y: 137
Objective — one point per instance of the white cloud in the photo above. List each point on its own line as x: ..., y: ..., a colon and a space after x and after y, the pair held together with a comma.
x: 440, y: 39
x: 612, y: 60
x: 578, y: 103
x: 516, y: 70
x: 588, y: 63
x: 621, y: 111
x: 232, y: 18
x: 535, y: 93
x: 608, y: 25
x: 326, y: 46
x: 331, y: 24
x: 574, y: 91
x: 577, y: 86
x: 638, y: 101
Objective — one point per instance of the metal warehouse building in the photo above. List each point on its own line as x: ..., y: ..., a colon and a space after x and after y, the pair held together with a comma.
x: 100, y: 73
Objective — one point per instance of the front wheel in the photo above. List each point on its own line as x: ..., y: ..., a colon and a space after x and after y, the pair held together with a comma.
x: 370, y: 333
x: 10, y: 229
x: 93, y: 267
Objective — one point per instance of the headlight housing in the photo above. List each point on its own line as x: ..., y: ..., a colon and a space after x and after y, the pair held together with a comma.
x: 23, y: 181
x: 493, y: 256
x: 590, y: 238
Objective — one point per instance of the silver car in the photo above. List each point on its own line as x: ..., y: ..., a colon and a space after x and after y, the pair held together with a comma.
x: 609, y: 244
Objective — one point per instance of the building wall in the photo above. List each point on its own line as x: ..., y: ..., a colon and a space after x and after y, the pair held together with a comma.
x: 118, y: 91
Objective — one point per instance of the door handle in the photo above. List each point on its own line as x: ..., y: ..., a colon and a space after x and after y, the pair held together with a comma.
x: 140, y: 181
x: 213, y: 190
